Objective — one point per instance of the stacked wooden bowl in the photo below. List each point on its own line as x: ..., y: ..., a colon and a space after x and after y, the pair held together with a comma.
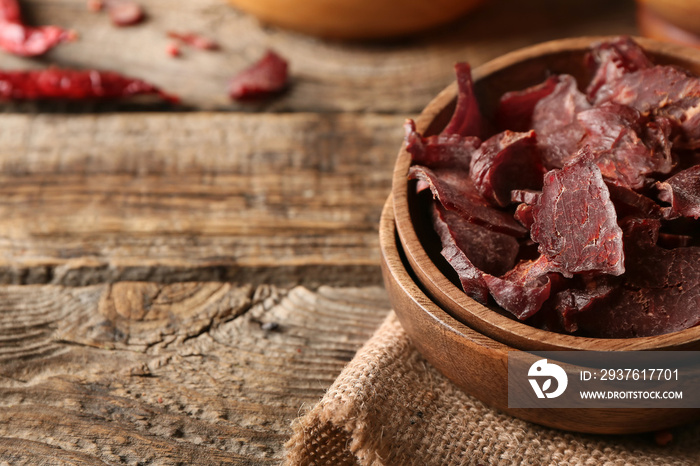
x: 356, y: 19
x: 469, y: 342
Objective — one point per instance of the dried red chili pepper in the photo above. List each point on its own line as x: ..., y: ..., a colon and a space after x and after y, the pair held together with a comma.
x: 20, y: 39
x: 125, y: 13
x: 95, y: 5
x: 55, y: 83
x: 174, y: 50
x: 267, y: 76
x: 194, y: 40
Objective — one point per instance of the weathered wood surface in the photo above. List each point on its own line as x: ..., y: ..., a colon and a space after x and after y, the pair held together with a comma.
x: 187, y: 373
x: 291, y: 198
x: 395, y: 77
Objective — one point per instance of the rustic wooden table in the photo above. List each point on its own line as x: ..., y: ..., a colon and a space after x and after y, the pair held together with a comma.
x: 142, y: 253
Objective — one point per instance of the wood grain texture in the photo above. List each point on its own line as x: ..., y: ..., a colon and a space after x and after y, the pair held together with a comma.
x: 185, y: 373
x: 397, y: 77
x: 291, y: 198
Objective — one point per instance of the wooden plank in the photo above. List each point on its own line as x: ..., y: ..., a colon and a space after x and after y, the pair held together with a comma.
x: 144, y: 372
x: 197, y: 196
x: 395, y: 76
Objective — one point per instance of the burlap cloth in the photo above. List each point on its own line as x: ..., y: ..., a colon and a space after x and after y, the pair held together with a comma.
x: 389, y: 406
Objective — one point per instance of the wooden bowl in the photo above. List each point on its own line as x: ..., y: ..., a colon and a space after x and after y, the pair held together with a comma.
x: 655, y: 26
x: 356, y: 19
x: 684, y: 14
x: 479, y: 365
x: 513, y: 71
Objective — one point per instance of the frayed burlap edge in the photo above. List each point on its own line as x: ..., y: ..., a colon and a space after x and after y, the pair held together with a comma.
x: 389, y: 406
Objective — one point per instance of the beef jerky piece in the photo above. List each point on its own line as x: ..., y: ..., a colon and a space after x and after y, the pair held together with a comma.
x: 455, y: 191
x: 613, y: 59
x: 442, y: 151
x: 471, y: 249
x: 575, y: 221
x: 523, y: 214
x: 616, y: 136
x: 554, y: 121
x: 489, y: 251
x: 661, y: 91
x: 648, y: 89
x: 524, y: 289
x: 569, y: 303
x: 515, y: 108
x: 645, y: 312
x: 661, y: 292
x: 682, y: 191
x: 528, y: 196
x: 630, y: 203
x: 467, y: 119
x: 505, y: 162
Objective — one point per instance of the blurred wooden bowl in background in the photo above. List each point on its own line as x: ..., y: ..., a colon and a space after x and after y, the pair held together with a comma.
x: 356, y: 19
x: 675, y: 21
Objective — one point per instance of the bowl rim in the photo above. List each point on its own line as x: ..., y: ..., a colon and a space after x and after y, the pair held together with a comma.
x: 453, y: 299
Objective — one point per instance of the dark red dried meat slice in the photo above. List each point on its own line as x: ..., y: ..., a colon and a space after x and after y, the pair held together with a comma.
x: 466, y: 119
x: 471, y: 250
x: 554, y: 121
x: 630, y: 203
x: 527, y: 199
x: 523, y: 290
x: 528, y: 196
x: 624, y: 147
x: 649, y: 89
x: 575, y: 221
x: 455, y: 191
x: 489, y: 251
x: 661, y: 91
x: 19, y: 39
x: 645, y: 312
x: 56, y: 83
x: 612, y: 59
x: 682, y: 191
x: 515, y: 108
x: 523, y: 214
x: 568, y: 304
x: 505, y: 162
x: 441, y: 151
x: 267, y: 76
x: 661, y: 293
